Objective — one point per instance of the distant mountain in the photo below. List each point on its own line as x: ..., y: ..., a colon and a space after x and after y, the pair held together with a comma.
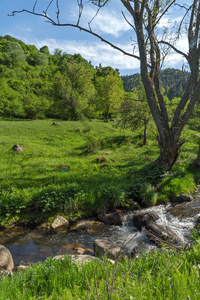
x: 173, y: 81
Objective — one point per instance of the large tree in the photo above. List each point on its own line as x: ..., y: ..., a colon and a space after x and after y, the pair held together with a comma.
x: 152, y: 46
x: 73, y: 87
x: 110, y: 91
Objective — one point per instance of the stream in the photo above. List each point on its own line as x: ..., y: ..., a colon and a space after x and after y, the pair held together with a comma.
x: 29, y: 246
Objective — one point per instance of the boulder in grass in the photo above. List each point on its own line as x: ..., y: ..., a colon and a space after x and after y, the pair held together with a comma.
x: 79, y: 259
x: 6, y: 260
x: 104, y: 247
x: 108, y: 153
x: 101, y: 159
x: 23, y: 267
x: 16, y: 147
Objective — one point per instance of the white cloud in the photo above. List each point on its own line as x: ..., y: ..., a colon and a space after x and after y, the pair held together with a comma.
x: 106, y: 21
x: 182, y: 44
x: 168, y: 22
x: 26, y: 29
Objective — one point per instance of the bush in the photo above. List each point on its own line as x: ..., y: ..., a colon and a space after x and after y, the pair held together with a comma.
x: 149, y: 196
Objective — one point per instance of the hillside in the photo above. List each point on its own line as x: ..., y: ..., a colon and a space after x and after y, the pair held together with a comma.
x: 173, y: 82
x: 37, y: 84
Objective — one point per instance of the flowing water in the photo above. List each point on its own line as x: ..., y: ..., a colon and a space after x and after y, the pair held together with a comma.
x: 30, y: 246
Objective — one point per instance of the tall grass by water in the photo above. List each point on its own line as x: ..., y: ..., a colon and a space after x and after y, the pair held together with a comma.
x: 159, y: 275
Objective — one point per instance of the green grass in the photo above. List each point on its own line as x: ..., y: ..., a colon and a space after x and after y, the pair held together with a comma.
x: 158, y: 275
x: 33, y: 188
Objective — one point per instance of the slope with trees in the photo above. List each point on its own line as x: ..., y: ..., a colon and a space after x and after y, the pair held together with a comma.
x: 173, y: 82
x: 36, y: 84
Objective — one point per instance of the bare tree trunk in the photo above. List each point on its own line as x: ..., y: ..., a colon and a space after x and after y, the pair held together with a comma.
x: 169, y: 155
x: 145, y: 133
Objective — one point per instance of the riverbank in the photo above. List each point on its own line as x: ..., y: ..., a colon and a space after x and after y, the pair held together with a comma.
x: 129, y: 230
x: 157, y: 275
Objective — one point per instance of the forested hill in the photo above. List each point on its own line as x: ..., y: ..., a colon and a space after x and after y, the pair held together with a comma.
x: 37, y: 84
x: 173, y: 81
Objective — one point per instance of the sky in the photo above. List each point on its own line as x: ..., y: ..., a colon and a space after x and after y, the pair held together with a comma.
x: 109, y: 23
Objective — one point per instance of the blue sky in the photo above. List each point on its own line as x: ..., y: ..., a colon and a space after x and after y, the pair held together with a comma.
x: 109, y: 23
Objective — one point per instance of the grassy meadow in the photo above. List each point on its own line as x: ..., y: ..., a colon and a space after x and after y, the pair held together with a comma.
x: 59, y: 173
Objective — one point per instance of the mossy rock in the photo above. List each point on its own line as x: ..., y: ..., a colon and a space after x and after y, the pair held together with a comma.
x: 101, y: 159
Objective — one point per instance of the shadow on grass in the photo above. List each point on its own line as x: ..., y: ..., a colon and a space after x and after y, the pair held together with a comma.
x: 15, y: 120
x: 91, y: 146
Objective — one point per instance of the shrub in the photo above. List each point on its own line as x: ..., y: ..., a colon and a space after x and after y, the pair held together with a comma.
x: 149, y: 196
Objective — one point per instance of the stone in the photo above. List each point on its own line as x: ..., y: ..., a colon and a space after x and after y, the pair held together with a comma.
x: 101, y: 159
x: 141, y: 219
x: 133, y: 205
x: 6, y: 260
x: 78, y: 129
x: 59, y: 222
x: 5, y: 273
x: 115, y: 218
x: 162, y: 235
x: 84, y: 225
x: 84, y: 259
x: 79, y: 259
x: 75, y: 249
x: 22, y: 267
x: 113, y: 262
x: 183, y: 198
x: 104, y: 247
x: 16, y: 147
x: 186, y: 210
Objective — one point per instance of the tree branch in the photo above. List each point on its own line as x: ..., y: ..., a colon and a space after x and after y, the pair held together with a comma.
x: 44, y: 15
x: 174, y: 48
x: 163, y: 13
